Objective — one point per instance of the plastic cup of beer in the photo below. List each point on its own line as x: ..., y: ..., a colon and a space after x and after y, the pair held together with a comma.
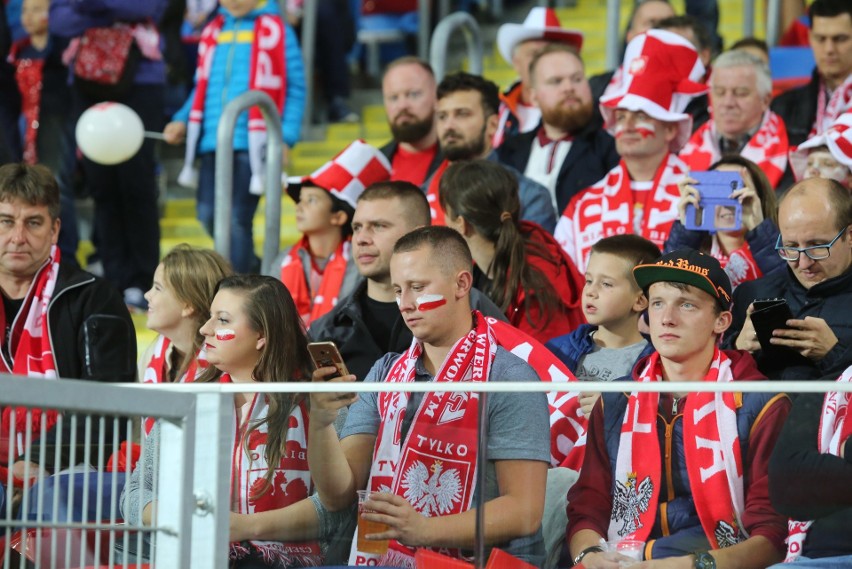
x: 632, y: 548
x: 366, y: 527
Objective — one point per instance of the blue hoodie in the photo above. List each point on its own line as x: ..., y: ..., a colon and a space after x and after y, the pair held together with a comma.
x: 229, y: 78
x: 576, y: 344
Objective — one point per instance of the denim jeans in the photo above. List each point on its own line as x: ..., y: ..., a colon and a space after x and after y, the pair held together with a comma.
x: 842, y: 562
x: 244, y: 205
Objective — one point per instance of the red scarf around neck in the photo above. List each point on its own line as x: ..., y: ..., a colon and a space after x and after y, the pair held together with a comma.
x: 268, y: 73
x: 739, y: 264
x: 834, y: 429
x: 32, y: 355
x: 608, y: 208
x: 712, y: 453
x: 767, y: 147
x: 313, y: 304
x: 157, y: 370
x: 434, y: 468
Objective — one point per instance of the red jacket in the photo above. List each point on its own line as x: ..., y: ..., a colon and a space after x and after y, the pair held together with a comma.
x: 567, y: 283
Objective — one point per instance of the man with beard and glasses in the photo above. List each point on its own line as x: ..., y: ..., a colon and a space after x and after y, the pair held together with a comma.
x: 569, y: 150
x: 466, y: 119
x: 408, y: 90
x: 646, y: 116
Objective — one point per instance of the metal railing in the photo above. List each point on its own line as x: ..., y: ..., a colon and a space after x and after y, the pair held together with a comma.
x: 441, y: 41
x: 225, y: 175
x: 191, y: 524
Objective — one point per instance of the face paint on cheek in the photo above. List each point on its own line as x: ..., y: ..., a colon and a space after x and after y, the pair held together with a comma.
x: 646, y: 129
x: 430, y: 302
x: 618, y: 130
x: 225, y: 334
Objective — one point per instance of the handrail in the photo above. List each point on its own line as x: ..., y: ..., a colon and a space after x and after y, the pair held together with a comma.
x: 225, y: 175
x: 309, y: 42
x: 441, y: 39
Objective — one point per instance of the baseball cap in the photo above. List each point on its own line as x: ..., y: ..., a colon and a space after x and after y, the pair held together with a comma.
x: 690, y: 267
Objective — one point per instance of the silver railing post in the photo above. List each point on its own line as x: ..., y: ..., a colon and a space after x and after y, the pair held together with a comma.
x: 424, y: 24
x: 225, y: 175
x: 441, y: 40
x: 773, y: 22
x: 613, y: 34
x: 748, y: 18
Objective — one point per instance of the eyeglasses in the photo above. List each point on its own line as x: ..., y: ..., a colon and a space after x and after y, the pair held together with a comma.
x: 814, y: 252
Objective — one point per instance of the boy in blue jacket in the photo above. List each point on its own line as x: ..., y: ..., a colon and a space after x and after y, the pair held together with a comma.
x: 606, y: 348
x: 247, y: 46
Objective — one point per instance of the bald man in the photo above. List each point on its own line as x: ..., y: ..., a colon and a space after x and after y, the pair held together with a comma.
x: 814, y: 219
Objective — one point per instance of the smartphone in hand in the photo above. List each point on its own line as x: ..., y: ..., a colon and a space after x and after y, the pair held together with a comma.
x: 769, y: 315
x: 325, y: 354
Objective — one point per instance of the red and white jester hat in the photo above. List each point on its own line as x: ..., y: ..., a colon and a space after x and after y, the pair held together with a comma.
x: 346, y: 175
x: 659, y: 76
x: 838, y: 140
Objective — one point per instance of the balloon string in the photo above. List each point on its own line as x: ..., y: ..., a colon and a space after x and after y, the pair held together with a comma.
x: 155, y: 135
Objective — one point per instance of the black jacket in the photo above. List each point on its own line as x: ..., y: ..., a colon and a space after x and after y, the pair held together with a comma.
x: 830, y: 300
x: 797, y: 107
x: 808, y: 485
x: 345, y: 326
x: 591, y: 156
x: 92, y: 338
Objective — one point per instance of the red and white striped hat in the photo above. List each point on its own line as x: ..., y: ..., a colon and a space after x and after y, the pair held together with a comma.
x: 541, y: 24
x: 346, y: 175
x: 659, y: 76
x: 838, y: 140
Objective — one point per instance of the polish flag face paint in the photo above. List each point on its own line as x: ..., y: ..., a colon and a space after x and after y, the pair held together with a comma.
x: 646, y: 129
x: 225, y: 334
x: 430, y: 302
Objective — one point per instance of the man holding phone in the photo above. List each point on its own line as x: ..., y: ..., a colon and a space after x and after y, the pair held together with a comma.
x: 814, y: 219
x: 416, y: 453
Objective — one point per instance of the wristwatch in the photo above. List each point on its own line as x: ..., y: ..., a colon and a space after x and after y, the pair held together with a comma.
x: 592, y: 549
x: 703, y: 560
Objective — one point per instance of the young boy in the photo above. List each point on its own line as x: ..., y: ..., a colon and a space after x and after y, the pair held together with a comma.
x: 319, y: 269
x: 247, y: 46
x: 607, y: 347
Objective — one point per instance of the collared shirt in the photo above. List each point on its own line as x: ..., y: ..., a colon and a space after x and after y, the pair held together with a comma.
x: 545, y: 161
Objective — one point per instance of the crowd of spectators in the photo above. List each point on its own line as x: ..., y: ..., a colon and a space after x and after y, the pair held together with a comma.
x: 561, y: 231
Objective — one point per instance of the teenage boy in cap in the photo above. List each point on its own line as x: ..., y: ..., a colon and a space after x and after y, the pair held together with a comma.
x: 318, y: 269
x: 645, y: 113
x: 684, y: 472
x: 518, y: 44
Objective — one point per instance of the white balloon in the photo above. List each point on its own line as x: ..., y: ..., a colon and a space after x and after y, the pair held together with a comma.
x: 109, y: 133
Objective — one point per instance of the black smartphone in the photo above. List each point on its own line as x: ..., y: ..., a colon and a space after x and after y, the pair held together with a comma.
x: 325, y: 354
x: 769, y: 314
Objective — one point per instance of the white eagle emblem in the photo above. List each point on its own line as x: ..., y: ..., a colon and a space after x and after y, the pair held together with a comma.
x: 630, y: 501
x: 435, y: 494
x: 727, y: 534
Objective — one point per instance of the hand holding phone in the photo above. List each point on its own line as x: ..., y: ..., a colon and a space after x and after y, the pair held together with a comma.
x: 326, y: 354
x: 716, y: 210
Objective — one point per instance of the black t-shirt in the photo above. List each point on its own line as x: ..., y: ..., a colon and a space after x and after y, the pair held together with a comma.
x: 380, y: 318
x: 11, y: 307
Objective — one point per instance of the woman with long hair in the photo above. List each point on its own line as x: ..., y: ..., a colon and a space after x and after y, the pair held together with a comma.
x: 520, y: 266
x: 254, y: 335
x: 746, y: 253
x: 178, y: 304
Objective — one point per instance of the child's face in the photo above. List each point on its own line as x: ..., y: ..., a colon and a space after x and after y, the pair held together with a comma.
x: 313, y: 211
x: 239, y: 8
x: 34, y: 16
x: 610, y: 294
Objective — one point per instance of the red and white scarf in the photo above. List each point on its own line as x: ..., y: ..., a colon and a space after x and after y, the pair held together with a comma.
x: 827, y: 112
x: 313, y: 304
x: 157, y: 370
x: 435, y: 209
x: 435, y: 467
x: 268, y: 73
x: 291, y: 482
x: 767, y: 147
x: 834, y: 429
x: 30, y: 347
x: 712, y: 453
x: 567, y: 423
x: 608, y: 208
x: 739, y: 264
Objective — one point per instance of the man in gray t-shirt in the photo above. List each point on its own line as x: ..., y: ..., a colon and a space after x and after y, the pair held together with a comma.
x: 431, y: 274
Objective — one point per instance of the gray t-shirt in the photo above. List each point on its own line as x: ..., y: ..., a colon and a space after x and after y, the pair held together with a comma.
x: 518, y: 427
x: 608, y: 364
